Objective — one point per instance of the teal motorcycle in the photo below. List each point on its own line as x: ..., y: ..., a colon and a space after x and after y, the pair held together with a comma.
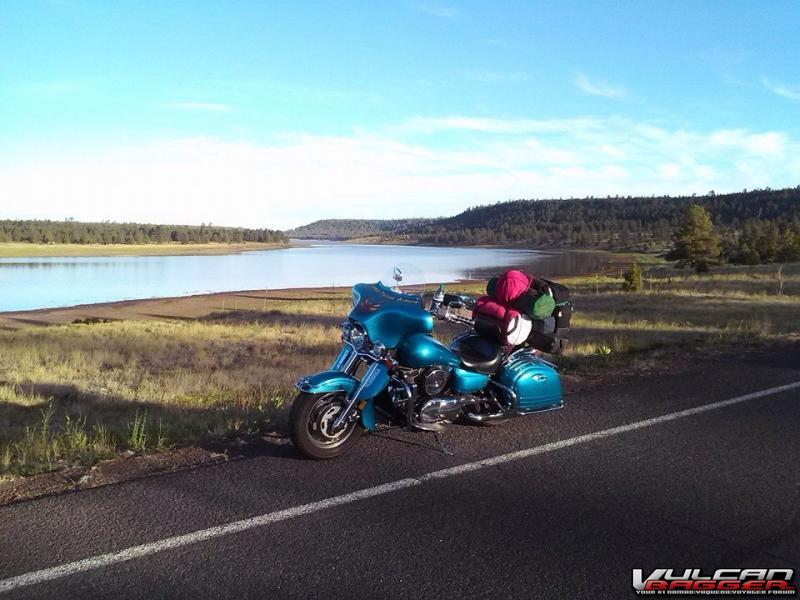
x: 391, y: 369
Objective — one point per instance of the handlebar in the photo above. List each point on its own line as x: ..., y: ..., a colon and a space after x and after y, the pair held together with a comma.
x: 448, y: 316
x: 441, y: 300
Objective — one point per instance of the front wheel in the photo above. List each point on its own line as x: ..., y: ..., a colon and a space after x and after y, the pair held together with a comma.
x: 311, y: 420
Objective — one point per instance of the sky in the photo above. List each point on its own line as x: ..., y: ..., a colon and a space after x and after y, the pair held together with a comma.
x: 278, y: 113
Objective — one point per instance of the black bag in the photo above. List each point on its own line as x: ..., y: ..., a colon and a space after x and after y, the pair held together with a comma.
x: 560, y: 292
x: 488, y: 328
x: 563, y: 310
x: 547, y: 343
x: 562, y: 314
x: 546, y: 326
x: 550, y: 334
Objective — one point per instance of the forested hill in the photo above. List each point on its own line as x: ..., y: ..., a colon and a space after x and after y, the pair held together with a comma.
x: 632, y: 222
x: 620, y: 222
x: 348, y: 229
x: 74, y: 232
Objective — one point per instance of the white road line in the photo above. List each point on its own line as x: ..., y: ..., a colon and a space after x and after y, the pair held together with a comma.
x: 104, y: 560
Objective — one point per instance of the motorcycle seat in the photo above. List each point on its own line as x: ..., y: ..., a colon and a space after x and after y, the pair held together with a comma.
x: 479, y: 354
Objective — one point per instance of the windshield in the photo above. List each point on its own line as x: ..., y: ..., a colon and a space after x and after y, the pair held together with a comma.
x: 406, y: 278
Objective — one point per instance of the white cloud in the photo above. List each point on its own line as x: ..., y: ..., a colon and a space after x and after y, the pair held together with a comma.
x: 495, y: 125
x: 400, y: 172
x: 669, y: 170
x: 787, y: 91
x: 437, y: 9
x: 486, y: 76
x: 203, y: 106
x: 770, y: 143
x: 599, y: 87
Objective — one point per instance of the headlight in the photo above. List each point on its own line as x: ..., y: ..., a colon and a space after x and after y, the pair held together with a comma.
x: 358, y: 338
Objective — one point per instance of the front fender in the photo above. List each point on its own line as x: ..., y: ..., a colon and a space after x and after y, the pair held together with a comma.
x: 328, y: 381
x: 338, y: 381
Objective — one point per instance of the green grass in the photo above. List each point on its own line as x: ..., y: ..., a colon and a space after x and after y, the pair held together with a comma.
x: 19, y: 249
x: 78, y: 393
x: 44, y: 446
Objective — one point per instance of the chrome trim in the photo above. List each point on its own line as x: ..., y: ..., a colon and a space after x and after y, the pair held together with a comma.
x: 508, y: 390
x: 527, y: 354
x: 405, y: 387
x: 302, y: 384
x: 367, y: 343
x: 541, y: 410
x: 367, y: 354
x: 490, y: 418
x: 509, y: 414
x: 458, y: 319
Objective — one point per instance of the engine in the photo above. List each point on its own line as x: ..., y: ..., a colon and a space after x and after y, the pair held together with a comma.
x: 424, y: 397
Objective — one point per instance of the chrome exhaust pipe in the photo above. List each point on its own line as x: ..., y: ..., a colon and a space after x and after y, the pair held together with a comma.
x: 490, y: 419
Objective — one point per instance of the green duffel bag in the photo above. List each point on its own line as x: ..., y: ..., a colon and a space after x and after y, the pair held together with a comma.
x: 535, y: 304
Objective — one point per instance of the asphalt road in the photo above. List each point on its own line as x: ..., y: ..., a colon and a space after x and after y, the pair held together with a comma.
x: 707, y: 489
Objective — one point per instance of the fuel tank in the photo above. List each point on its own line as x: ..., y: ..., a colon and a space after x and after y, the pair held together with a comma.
x: 422, y: 350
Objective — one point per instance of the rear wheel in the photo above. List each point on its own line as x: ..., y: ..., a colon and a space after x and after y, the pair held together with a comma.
x: 311, y: 424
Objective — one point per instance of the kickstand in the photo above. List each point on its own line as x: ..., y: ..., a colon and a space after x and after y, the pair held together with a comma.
x: 439, y: 441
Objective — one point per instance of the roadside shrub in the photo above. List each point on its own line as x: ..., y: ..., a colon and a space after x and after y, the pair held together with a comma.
x: 633, y: 279
x: 47, y: 446
x: 137, y: 440
x: 702, y: 266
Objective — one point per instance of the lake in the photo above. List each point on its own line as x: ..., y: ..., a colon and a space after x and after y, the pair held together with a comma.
x: 48, y: 282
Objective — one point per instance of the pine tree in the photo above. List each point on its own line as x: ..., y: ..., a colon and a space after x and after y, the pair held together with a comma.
x: 696, y: 240
x: 634, y: 280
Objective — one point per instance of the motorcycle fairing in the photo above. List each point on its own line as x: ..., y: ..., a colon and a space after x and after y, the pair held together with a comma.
x: 387, y: 315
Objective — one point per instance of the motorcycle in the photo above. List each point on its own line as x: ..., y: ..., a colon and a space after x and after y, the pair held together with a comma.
x: 391, y: 367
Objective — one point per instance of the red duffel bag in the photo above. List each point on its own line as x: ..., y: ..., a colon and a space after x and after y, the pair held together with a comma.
x: 504, y: 326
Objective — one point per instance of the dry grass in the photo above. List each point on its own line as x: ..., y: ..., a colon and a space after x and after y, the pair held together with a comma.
x: 678, y: 310
x: 177, y: 371
x: 225, y: 373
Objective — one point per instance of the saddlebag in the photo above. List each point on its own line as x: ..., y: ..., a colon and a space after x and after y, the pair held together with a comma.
x: 534, y: 382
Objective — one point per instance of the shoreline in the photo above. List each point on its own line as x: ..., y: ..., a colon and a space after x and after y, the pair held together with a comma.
x: 167, y: 307
x: 28, y: 250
